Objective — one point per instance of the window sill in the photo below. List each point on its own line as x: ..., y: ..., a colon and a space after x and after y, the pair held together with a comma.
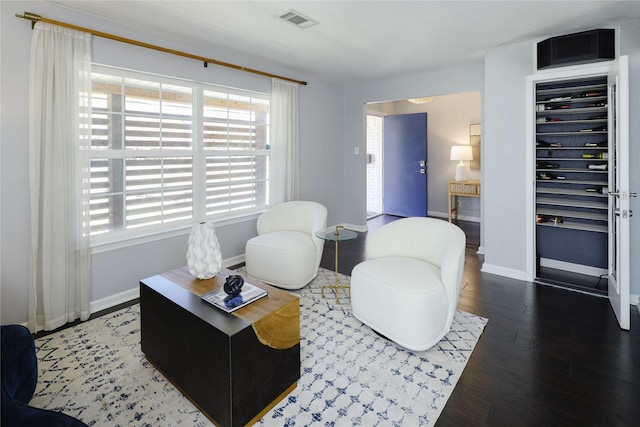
x: 107, y: 245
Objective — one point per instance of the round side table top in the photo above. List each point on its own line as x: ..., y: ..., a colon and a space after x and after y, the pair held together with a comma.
x: 337, y: 233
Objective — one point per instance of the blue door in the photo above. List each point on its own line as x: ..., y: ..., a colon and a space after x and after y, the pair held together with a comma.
x: 405, y: 165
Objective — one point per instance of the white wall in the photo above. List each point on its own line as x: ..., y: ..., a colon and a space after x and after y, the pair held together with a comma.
x: 504, y: 165
x: 116, y: 272
x: 448, y: 120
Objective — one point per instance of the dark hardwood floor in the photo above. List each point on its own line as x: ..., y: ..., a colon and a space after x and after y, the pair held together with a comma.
x: 547, y: 357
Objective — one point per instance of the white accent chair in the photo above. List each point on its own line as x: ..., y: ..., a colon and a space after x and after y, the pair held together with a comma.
x: 286, y: 253
x: 407, y: 290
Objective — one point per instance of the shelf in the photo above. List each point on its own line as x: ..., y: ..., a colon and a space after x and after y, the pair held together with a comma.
x: 571, y: 133
x: 569, y: 170
x: 568, y: 192
x: 571, y: 89
x: 571, y: 203
x: 563, y: 117
x: 603, y: 149
x: 576, y: 226
x: 563, y: 100
x: 573, y: 181
x: 573, y: 214
x: 548, y: 160
x: 573, y: 122
x: 581, y: 110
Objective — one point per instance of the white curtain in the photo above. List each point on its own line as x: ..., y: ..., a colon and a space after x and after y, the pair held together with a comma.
x: 59, y: 141
x: 285, y: 139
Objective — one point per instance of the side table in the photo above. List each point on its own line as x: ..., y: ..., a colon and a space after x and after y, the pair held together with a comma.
x: 340, y: 234
x: 461, y: 188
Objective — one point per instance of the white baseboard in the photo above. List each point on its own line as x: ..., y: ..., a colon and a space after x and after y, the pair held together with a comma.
x: 480, y: 250
x: 573, y: 268
x: 445, y: 215
x: 520, y: 275
x: 358, y: 228
x: 505, y: 272
x: 230, y: 262
x: 133, y: 293
x: 113, y: 300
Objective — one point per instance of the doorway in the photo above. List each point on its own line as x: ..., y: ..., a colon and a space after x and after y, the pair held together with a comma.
x: 396, y: 165
x: 450, y: 119
x: 374, y: 165
x: 405, y: 165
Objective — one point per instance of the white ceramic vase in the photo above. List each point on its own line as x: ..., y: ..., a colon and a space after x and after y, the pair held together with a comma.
x: 204, y: 256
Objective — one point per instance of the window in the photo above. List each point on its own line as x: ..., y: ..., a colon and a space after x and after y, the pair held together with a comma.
x: 166, y: 152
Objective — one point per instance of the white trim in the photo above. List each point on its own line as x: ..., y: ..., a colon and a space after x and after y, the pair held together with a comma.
x: 574, y: 268
x: 444, y: 215
x: 117, y: 239
x: 565, y: 288
x: 502, y: 271
x: 133, y: 293
x: 182, y: 230
x: 113, y: 300
x: 634, y: 299
x: 480, y: 250
x: 561, y: 73
x: 229, y: 262
x: 163, y: 78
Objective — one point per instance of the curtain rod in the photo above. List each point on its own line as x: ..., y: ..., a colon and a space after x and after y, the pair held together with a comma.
x: 35, y: 18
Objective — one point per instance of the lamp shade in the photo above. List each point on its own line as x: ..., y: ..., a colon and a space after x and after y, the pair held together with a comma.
x: 461, y: 152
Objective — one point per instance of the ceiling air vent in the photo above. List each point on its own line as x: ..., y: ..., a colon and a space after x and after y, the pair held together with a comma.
x: 298, y: 19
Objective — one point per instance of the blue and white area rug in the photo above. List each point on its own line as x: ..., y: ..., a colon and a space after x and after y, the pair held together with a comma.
x: 350, y: 376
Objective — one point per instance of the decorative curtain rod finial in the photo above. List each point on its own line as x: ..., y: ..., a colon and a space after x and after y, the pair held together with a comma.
x: 31, y: 17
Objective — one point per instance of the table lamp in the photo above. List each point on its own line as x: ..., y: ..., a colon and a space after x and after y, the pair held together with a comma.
x: 461, y: 152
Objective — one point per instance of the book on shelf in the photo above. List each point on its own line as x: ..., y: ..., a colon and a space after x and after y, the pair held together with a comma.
x: 249, y: 294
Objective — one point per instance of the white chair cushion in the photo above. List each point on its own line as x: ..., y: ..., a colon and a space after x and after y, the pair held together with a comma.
x: 282, y: 258
x: 402, y: 298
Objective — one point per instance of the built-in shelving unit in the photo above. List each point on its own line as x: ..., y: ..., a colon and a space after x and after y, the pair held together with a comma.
x: 571, y: 154
x: 572, y: 177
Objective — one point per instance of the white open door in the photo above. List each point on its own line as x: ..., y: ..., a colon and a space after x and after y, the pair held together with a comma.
x: 619, y: 192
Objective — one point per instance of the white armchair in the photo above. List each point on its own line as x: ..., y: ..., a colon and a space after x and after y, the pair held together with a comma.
x: 407, y: 290
x: 286, y: 253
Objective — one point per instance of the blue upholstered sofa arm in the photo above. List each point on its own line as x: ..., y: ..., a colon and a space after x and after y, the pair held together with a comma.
x: 19, y: 380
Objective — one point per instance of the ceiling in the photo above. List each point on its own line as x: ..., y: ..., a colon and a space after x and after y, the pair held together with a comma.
x: 358, y: 39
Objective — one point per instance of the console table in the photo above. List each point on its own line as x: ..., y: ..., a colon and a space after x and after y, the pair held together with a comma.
x: 461, y: 188
x: 233, y: 366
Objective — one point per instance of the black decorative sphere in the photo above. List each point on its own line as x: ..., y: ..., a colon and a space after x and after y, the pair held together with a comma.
x: 233, y: 285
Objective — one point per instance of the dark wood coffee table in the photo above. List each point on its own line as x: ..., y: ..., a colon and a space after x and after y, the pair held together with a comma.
x: 233, y: 366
